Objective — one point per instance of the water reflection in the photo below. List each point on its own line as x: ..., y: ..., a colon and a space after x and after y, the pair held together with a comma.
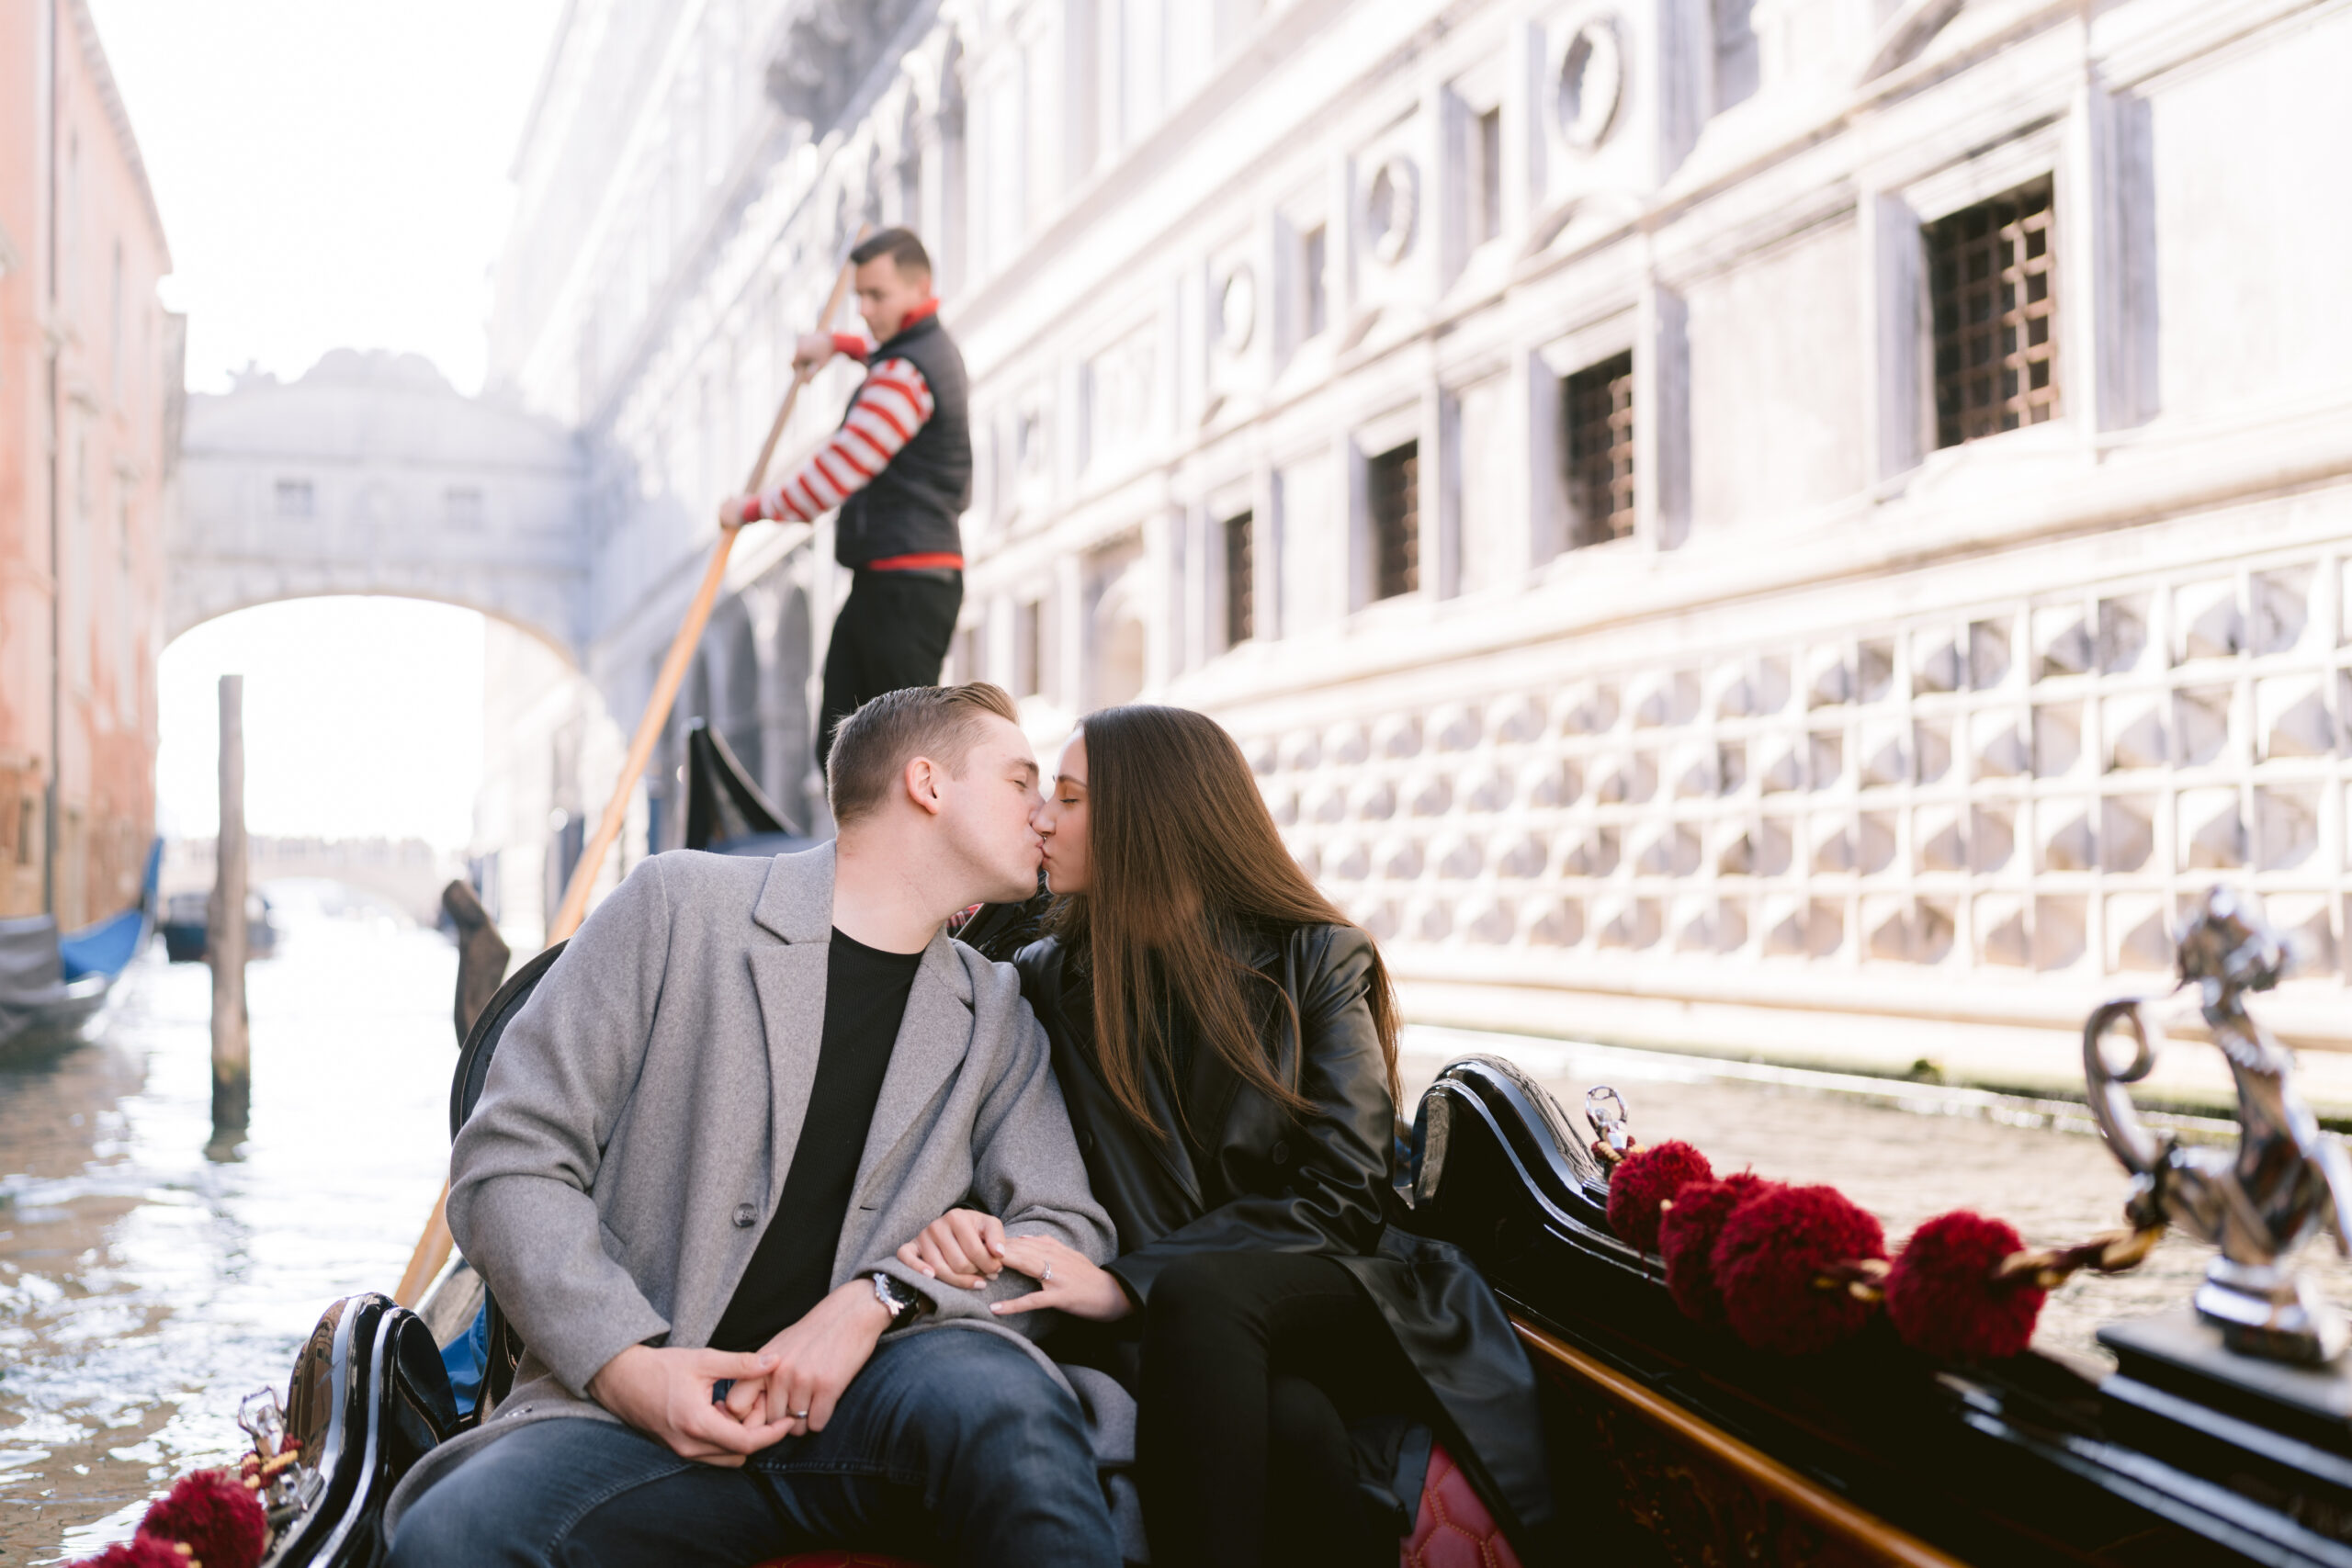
x: 143, y: 1288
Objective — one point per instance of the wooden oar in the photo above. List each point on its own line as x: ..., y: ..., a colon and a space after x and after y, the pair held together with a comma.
x: 433, y: 1247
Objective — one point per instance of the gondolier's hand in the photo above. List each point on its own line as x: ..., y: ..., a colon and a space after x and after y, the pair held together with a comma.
x: 810, y: 350
x: 665, y: 1393
x: 815, y: 1359
x: 1066, y: 1278
x: 736, y: 511
x: 963, y: 1247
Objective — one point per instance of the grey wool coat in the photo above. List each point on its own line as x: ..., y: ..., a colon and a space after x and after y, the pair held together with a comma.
x: 633, y: 1136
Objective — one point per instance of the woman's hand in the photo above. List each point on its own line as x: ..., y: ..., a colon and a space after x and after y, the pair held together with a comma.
x: 963, y: 1247
x: 1066, y: 1279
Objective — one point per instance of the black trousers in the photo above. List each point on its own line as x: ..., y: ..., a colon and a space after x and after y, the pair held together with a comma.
x: 892, y: 632
x: 1253, y: 1364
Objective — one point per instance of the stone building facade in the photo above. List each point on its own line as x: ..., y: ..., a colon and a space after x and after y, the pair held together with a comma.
x: 1794, y: 526
x: 90, y: 377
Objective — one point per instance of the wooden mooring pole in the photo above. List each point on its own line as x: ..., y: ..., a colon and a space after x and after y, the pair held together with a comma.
x: 224, y: 938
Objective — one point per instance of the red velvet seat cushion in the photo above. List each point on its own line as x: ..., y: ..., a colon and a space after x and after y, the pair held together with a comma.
x: 1454, y: 1531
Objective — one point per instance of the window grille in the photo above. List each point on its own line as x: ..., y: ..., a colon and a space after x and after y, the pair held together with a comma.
x: 1991, y: 278
x: 296, y: 498
x: 1241, y: 579
x: 1599, y: 405
x: 1394, y: 486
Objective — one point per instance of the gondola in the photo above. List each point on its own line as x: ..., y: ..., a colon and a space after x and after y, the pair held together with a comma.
x: 53, y: 983
x: 187, y: 920
x: 1672, y: 1442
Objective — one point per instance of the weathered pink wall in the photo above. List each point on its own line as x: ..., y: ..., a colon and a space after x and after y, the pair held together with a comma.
x: 73, y: 188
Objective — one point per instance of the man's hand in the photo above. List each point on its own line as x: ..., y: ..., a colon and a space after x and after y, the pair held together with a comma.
x: 810, y: 351
x: 963, y: 1247
x: 813, y: 1361
x: 1066, y: 1278
x: 666, y: 1394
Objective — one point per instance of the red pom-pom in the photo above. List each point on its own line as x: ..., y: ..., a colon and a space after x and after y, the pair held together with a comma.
x: 142, y: 1552
x: 1772, y: 1249
x: 1944, y: 1300
x: 214, y: 1515
x: 1686, y: 1239
x: 1645, y: 1179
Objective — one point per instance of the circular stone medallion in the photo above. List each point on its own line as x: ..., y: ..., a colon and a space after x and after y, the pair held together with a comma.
x: 1592, y: 83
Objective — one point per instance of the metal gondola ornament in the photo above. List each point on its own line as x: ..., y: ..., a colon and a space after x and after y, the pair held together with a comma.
x: 2285, y: 1181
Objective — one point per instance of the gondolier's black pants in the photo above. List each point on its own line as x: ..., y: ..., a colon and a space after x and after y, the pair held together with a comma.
x: 1253, y: 1365
x: 892, y: 632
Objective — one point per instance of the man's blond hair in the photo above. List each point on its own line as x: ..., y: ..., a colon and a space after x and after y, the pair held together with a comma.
x: 873, y: 745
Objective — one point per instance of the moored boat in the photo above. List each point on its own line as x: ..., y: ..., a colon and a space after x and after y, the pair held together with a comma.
x: 187, y: 917
x: 53, y: 983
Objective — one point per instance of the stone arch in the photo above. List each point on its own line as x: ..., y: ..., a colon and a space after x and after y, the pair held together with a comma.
x: 370, y: 474
x: 177, y: 626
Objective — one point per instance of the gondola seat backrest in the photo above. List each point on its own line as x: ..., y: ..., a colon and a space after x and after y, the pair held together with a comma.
x: 505, y: 1346
x: 489, y: 1027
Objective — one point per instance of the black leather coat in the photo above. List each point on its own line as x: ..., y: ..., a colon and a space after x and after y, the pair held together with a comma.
x: 1256, y: 1177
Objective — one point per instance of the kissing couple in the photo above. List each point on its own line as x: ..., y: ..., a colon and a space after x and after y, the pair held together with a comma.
x: 820, y: 1229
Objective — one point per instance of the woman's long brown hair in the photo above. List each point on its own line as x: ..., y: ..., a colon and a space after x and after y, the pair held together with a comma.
x: 1185, y: 864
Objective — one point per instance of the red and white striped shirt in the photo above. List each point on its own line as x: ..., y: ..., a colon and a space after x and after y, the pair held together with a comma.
x: 889, y: 408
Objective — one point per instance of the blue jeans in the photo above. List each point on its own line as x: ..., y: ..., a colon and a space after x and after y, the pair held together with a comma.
x: 952, y: 1445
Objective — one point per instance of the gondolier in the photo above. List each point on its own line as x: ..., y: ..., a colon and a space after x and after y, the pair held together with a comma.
x: 899, y: 470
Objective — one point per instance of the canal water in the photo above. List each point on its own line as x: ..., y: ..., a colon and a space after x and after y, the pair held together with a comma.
x: 145, y: 1288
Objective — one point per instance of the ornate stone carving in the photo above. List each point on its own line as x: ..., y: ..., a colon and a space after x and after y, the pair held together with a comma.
x: 1391, y: 209
x: 1591, y: 85
x: 824, y: 50
x: 1237, y: 309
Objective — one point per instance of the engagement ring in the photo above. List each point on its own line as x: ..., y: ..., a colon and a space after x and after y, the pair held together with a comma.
x: 798, y: 1414
x: 1047, y: 1276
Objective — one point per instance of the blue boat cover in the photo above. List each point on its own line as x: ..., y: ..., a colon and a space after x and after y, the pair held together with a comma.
x: 106, y: 947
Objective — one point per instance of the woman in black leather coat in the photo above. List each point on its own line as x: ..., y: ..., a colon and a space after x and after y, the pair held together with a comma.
x: 1225, y: 1041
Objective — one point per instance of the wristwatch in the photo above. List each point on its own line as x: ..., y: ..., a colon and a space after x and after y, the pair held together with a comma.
x: 905, y: 1304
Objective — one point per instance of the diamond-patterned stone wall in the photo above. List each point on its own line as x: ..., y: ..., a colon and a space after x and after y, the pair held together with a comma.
x: 2029, y: 786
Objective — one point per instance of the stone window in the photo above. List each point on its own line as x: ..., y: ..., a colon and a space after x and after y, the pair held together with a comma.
x: 1028, y: 648
x: 462, y: 506
x: 1241, y: 579
x: 1598, y: 403
x: 1738, y: 67
x: 1991, y: 277
x: 1393, y: 487
x: 297, y: 499
x: 964, y: 657
x: 1486, y: 176
x: 1316, y: 310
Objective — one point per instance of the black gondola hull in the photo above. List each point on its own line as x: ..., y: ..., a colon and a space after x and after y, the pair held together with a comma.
x: 1869, y: 1453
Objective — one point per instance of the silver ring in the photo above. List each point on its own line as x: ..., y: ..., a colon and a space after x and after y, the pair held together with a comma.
x: 798, y: 1414
x: 1047, y: 1276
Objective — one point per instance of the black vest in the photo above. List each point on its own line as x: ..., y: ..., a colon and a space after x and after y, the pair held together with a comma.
x: 912, y: 505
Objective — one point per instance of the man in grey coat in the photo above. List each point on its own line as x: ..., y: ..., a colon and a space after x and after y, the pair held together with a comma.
x: 739, y: 1089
